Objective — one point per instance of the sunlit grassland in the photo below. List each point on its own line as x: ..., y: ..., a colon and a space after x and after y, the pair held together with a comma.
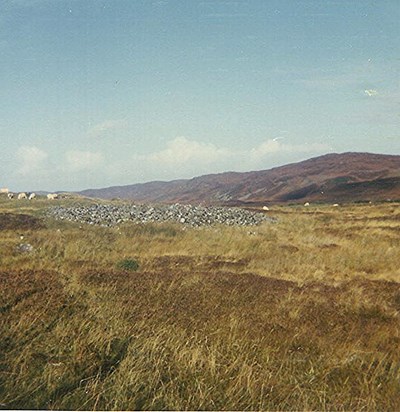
x: 296, y: 315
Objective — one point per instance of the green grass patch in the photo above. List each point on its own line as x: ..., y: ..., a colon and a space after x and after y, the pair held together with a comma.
x: 128, y: 264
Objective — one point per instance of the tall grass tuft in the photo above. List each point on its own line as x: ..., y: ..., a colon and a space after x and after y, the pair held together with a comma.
x: 299, y: 315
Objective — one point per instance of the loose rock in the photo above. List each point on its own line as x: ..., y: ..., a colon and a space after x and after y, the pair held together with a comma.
x: 195, y: 216
x: 25, y: 248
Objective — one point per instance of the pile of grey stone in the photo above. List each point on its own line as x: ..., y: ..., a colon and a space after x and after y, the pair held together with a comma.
x: 195, y: 216
x: 24, y: 248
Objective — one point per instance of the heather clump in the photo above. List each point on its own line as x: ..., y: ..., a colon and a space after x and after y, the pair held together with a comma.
x: 299, y: 315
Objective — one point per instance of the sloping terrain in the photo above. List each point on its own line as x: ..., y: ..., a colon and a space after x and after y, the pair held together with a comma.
x: 330, y: 178
x: 302, y: 314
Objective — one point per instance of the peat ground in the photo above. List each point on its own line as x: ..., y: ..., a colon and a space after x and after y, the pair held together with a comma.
x: 299, y: 314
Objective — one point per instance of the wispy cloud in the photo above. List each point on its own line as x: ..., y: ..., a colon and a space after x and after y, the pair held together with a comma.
x: 182, y: 158
x: 31, y: 160
x: 365, y: 76
x: 182, y: 151
x: 371, y: 92
x: 78, y: 160
x: 275, y: 146
x: 106, y: 128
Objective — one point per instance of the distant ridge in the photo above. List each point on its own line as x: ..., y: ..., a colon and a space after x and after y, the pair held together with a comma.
x: 330, y: 178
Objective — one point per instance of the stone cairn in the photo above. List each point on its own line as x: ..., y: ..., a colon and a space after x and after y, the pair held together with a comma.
x: 195, y: 216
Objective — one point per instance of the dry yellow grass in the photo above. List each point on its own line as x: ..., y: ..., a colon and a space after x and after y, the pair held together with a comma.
x: 298, y: 315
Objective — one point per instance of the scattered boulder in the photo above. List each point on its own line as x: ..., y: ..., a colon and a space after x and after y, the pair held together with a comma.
x: 25, y: 248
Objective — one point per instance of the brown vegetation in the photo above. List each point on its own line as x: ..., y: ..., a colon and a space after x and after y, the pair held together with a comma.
x: 298, y: 315
x: 344, y: 177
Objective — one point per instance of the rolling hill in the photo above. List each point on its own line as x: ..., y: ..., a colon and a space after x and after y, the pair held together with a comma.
x: 330, y: 178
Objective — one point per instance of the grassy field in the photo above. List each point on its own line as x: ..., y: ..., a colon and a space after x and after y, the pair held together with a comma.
x: 302, y: 314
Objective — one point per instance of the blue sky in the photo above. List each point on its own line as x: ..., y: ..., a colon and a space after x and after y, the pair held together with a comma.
x: 112, y: 92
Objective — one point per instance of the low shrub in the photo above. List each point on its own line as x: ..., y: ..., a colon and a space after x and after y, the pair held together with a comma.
x: 128, y: 264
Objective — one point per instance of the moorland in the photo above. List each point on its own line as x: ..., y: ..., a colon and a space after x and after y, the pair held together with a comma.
x: 331, y: 178
x: 300, y: 314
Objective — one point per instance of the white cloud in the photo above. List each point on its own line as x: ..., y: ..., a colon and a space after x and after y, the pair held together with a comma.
x: 267, y: 147
x: 77, y: 160
x: 276, y: 147
x: 371, y: 92
x: 31, y: 159
x: 184, y: 158
x: 181, y: 157
x: 181, y: 151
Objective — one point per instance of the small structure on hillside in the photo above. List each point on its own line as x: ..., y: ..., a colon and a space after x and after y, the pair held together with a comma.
x: 4, y: 190
x: 52, y: 196
x: 22, y: 195
x: 31, y: 196
x: 10, y: 195
x: 266, y: 208
x: 307, y: 204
